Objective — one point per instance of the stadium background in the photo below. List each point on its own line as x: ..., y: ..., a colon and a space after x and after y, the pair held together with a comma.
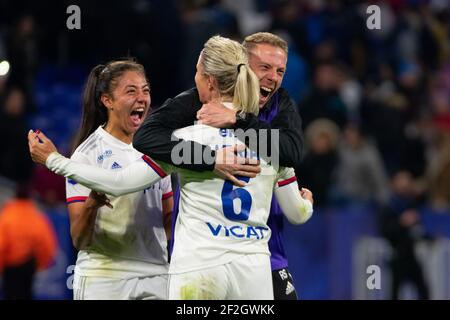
x: 393, y: 85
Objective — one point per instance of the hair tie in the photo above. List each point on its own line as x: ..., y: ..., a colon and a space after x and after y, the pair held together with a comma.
x: 239, y: 66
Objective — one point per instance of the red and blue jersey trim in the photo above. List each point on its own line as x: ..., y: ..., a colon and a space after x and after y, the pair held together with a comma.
x: 287, y: 181
x: 167, y: 195
x: 160, y: 172
x: 76, y: 199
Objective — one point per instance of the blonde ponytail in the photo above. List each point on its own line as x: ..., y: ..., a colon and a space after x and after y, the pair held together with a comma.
x: 227, y: 61
x: 246, y: 90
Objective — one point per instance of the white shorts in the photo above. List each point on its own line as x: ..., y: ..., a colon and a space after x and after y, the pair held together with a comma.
x: 102, y: 288
x: 246, y: 278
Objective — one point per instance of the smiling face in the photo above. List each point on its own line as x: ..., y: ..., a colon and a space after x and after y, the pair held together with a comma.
x: 128, y: 105
x: 269, y: 64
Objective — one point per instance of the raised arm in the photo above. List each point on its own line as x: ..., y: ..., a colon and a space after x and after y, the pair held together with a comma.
x: 137, y: 176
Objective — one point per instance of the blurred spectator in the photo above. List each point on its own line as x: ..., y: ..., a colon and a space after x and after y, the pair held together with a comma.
x: 287, y: 16
x: 324, y: 52
x: 296, y: 78
x: 350, y: 92
x: 324, y: 100
x: 440, y: 99
x: 361, y: 176
x: 24, y: 53
x: 439, y: 23
x: 27, y: 244
x: 411, y: 86
x: 384, y: 86
x: 318, y: 167
x: 407, y: 37
x: 252, y: 15
x: 413, y: 150
x: 15, y: 160
x: 385, y: 119
x: 201, y: 19
x: 400, y: 224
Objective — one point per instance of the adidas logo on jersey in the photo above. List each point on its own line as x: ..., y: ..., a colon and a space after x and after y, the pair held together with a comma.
x: 289, y: 288
x: 115, y: 165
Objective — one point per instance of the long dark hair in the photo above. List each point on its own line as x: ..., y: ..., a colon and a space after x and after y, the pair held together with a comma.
x: 101, y: 80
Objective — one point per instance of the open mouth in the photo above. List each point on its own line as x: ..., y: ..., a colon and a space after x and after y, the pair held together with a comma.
x: 138, y: 112
x: 136, y: 116
x: 265, y: 92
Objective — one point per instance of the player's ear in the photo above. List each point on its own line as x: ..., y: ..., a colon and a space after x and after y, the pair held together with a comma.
x: 107, y: 101
x: 212, y: 82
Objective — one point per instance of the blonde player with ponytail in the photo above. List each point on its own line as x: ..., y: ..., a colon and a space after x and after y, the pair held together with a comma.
x: 224, y: 64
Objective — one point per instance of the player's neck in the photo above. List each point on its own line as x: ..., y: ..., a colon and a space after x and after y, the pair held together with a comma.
x: 119, y: 134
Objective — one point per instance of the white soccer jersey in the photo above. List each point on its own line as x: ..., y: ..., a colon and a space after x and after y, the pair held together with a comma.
x: 129, y: 240
x: 218, y: 222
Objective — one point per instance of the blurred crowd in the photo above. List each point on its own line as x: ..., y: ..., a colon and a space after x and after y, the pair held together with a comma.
x: 375, y: 104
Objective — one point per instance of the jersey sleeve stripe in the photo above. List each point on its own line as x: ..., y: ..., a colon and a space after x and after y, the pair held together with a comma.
x: 167, y: 195
x: 160, y: 172
x: 287, y: 181
x: 76, y: 199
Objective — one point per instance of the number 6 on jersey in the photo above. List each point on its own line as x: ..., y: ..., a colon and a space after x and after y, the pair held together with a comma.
x: 228, y: 196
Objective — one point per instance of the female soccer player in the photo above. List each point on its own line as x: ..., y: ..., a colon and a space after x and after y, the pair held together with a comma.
x: 220, y: 238
x: 122, y: 245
